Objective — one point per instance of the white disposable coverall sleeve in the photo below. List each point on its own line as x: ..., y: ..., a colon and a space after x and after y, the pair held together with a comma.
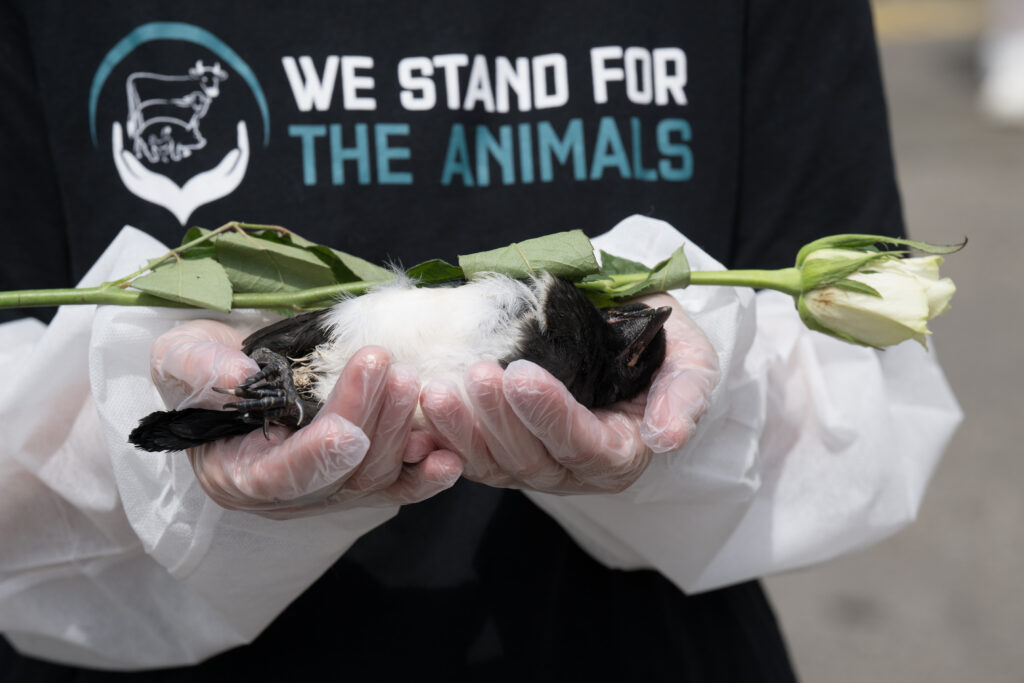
x: 811, y: 446
x: 115, y: 558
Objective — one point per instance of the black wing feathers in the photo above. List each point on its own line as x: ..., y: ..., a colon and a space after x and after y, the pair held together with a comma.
x: 600, y: 356
x: 575, y: 345
x: 292, y: 337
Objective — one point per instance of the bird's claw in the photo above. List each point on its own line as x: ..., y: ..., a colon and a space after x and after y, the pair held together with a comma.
x: 269, y: 394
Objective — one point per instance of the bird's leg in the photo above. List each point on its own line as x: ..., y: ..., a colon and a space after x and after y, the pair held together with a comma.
x: 270, y: 394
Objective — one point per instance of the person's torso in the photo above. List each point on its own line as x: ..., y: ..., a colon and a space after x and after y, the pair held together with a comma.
x: 401, y: 131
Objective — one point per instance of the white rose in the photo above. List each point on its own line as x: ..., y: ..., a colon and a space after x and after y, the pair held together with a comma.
x: 910, y: 293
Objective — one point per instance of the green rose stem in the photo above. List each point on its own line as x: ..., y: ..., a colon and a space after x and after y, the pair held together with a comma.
x: 112, y: 295
x: 102, y: 295
x: 785, y: 280
x: 842, y: 285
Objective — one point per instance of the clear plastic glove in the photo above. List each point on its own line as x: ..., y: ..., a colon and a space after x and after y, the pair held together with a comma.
x: 359, y: 450
x: 520, y: 427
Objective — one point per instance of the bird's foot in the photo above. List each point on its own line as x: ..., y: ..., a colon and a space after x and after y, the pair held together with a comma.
x: 270, y: 394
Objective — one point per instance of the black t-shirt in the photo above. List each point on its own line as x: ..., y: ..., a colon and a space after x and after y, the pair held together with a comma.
x: 412, y: 130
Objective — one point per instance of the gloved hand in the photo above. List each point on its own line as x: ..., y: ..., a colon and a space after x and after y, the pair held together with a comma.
x: 520, y: 428
x: 359, y: 450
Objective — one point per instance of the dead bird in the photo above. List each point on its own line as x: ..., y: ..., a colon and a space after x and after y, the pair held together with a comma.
x: 601, y: 355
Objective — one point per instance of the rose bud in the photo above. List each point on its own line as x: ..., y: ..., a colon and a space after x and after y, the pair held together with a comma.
x: 872, y: 298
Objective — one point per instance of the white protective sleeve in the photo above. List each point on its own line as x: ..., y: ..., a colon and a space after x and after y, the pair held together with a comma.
x: 812, y: 447
x: 112, y: 557
x: 115, y: 558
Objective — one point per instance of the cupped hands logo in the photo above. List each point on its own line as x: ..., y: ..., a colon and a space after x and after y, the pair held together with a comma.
x: 163, y: 124
x: 200, y: 189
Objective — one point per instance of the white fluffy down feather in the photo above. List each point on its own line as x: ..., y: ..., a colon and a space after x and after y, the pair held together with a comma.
x: 439, y: 331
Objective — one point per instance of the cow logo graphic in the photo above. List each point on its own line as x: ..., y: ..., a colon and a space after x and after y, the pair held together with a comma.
x: 164, y: 111
x: 163, y: 132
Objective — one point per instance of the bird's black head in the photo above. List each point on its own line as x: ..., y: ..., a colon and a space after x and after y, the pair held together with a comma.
x: 640, y: 334
x: 601, y: 356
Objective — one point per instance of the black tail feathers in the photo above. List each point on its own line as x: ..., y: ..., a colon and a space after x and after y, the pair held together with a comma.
x: 177, y: 430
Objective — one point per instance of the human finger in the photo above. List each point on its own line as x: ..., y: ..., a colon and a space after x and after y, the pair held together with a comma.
x: 437, y: 472
x: 453, y: 422
x: 383, y: 462
x: 359, y: 391
x: 592, y: 445
x: 189, y: 360
x: 680, y: 391
x: 512, y: 446
x: 254, y: 473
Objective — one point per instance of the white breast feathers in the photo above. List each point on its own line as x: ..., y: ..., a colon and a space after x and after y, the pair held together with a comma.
x: 440, y: 331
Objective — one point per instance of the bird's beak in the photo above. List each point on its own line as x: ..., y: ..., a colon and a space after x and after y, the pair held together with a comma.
x: 637, y: 325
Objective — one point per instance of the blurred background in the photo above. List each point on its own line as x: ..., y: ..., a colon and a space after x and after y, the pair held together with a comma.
x: 944, y: 599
